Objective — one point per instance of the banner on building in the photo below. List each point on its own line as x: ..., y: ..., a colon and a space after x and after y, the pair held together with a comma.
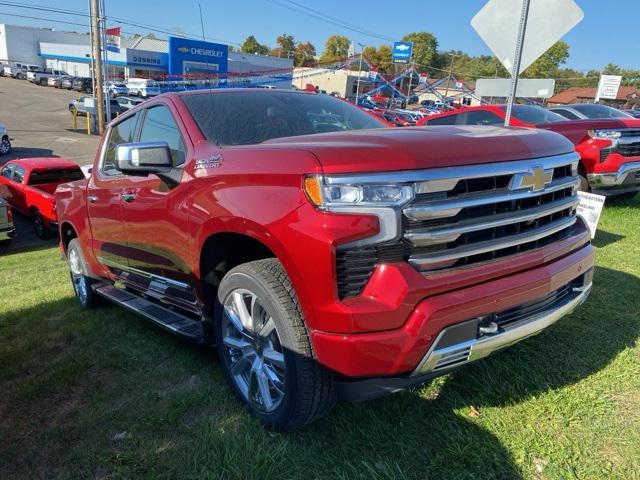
x: 113, y: 39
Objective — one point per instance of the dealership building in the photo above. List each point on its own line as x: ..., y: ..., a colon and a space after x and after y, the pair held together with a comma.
x: 142, y: 57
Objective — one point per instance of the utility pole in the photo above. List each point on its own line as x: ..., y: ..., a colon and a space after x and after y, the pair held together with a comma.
x: 96, y: 53
x: 446, y: 91
x: 359, y: 73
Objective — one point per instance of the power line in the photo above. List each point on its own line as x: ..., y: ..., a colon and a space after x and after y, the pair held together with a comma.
x: 304, y: 10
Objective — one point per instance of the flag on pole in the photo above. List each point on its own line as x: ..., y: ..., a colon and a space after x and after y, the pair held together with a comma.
x: 113, y: 39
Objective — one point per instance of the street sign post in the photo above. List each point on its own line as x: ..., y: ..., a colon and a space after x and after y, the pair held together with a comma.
x: 608, y: 87
x: 518, y: 32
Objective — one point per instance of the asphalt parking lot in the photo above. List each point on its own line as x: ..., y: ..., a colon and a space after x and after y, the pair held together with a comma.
x: 39, y: 123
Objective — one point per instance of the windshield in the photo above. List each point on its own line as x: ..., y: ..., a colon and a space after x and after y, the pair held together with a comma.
x: 252, y: 117
x: 592, y: 110
x: 533, y: 114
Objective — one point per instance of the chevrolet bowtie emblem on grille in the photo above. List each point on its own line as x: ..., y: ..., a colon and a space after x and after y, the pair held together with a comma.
x: 534, y: 180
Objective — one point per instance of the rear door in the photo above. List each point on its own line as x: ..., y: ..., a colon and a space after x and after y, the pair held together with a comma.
x: 104, y: 199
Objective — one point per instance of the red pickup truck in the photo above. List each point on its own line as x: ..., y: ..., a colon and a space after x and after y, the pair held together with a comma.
x: 28, y: 185
x: 327, y: 256
x: 609, y: 148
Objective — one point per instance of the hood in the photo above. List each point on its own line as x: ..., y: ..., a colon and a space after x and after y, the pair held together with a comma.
x: 391, y: 149
x: 576, y: 130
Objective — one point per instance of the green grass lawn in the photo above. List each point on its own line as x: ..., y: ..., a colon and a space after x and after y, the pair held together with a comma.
x: 105, y: 394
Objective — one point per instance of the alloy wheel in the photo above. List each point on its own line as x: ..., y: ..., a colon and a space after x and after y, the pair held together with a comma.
x: 254, y: 353
x: 5, y: 146
x: 77, y: 276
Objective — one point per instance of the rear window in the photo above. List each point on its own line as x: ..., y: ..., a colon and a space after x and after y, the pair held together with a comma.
x: 249, y: 118
x: 57, y: 175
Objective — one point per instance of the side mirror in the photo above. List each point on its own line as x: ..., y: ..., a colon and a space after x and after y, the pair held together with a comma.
x: 144, y: 158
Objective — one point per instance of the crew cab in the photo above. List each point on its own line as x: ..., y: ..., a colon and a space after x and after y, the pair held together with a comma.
x: 609, y: 148
x: 28, y: 185
x: 327, y: 256
x: 6, y: 222
x: 41, y: 77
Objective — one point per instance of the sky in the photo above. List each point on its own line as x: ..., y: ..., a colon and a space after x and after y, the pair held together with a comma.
x: 607, y: 34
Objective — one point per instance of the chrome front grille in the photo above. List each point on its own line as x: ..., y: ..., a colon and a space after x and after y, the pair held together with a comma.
x: 463, y: 216
x: 629, y: 143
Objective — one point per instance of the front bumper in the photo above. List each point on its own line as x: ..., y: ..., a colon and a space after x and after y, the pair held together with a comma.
x: 625, y: 179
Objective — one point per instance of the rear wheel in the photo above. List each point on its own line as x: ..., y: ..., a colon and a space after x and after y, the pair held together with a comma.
x: 39, y: 226
x: 80, y: 275
x: 5, y: 146
x: 265, y: 349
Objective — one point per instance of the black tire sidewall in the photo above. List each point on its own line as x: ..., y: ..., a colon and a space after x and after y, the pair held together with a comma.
x: 39, y: 226
x: 279, y: 313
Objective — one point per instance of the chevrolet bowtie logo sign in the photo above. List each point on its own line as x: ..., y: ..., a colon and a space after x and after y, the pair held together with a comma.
x: 534, y: 180
x: 183, y: 49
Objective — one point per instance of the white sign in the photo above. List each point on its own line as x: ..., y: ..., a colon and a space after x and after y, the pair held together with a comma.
x: 608, y: 86
x: 590, y: 208
x: 548, y: 21
x: 527, y: 87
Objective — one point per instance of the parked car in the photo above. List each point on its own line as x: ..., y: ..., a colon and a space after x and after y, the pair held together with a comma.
x: 345, y: 264
x: 114, y: 89
x: 19, y: 70
x: 28, y: 185
x: 127, y: 103
x: 143, y: 87
x: 67, y: 82
x: 77, y: 106
x: 5, y: 141
x: 585, y: 111
x: 6, y: 223
x: 42, y: 76
x: 82, y: 84
x: 57, y: 81
x: 609, y: 148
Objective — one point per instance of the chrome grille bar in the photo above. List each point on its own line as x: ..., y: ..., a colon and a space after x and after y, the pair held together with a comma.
x: 450, y: 233
x: 451, y: 207
x: 446, y: 257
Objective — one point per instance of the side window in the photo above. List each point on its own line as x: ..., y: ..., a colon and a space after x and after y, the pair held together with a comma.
x: 18, y: 174
x: 479, y: 117
x: 568, y: 114
x: 159, y: 126
x: 7, y: 171
x: 449, y: 120
x: 120, y: 133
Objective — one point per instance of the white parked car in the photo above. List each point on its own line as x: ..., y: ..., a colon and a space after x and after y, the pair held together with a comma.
x: 42, y: 76
x: 19, y: 70
x: 128, y: 102
x: 5, y: 142
x: 115, y: 89
x: 143, y: 87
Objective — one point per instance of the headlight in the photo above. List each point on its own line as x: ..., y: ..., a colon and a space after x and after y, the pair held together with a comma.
x: 612, y: 135
x: 335, y: 196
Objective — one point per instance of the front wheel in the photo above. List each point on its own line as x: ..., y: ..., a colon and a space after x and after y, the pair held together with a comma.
x: 5, y: 146
x: 80, y: 275
x: 264, y: 348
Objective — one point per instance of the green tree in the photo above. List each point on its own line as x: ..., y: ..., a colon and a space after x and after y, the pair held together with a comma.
x: 380, y: 57
x: 304, y: 55
x: 547, y: 65
x: 251, y: 45
x: 425, y: 48
x: 286, y: 46
x: 336, y: 48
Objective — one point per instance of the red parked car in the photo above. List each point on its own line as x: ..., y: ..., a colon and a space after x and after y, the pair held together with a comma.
x: 28, y: 185
x: 609, y: 148
x: 327, y: 256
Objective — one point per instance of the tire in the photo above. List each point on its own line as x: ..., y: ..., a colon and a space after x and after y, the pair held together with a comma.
x: 87, y: 90
x: 267, y: 359
x: 5, y: 146
x: 80, y: 279
x: 39, y: 226
x: 73, y: 110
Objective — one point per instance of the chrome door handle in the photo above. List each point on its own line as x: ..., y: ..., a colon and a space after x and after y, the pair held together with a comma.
x: 92, y: 199
x: 128, y: 197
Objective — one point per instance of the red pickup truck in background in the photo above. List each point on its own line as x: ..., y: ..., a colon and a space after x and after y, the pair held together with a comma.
x: 609, y: 148
x: 327, y: 256
x: 28, y: 185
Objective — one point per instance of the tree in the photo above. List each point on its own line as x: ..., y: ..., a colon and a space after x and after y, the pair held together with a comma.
x: 304, y: 55
x: 251, y: 45
x: 286, y: 46
x: 425, y: 48
x: 380, y: 57
x: 336, y: 48
x: 547, y: 65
